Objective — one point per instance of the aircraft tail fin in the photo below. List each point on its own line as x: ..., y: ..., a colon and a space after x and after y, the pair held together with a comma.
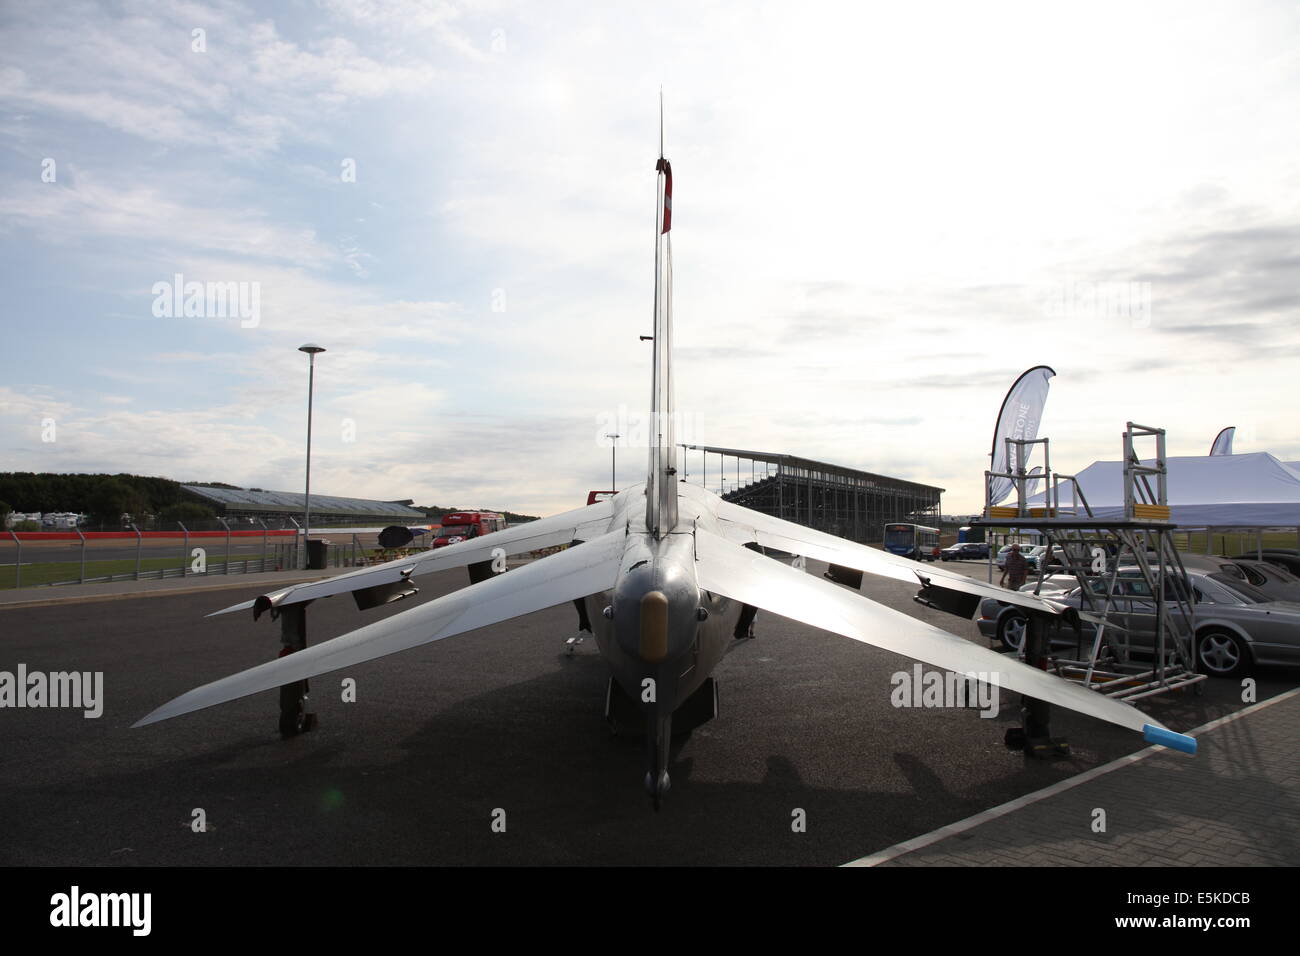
x: 661, y: 483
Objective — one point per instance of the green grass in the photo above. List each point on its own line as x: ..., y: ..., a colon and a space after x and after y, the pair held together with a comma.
x: 1232, y: 544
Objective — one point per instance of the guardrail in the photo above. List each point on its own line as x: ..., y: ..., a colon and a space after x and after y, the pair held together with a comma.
x: 74, y: 558
x: 90, y: 568
x: 201, y: 553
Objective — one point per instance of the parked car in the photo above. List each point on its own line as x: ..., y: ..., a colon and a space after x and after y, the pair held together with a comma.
x: 1276, y: 583
x: 1052, y: 585
x: 1006, y: 549
x: 966, y: 551
x: 1129, y: 560
x: 1235, y: 625
x: 1032, y: 554
x: 1286, y: 558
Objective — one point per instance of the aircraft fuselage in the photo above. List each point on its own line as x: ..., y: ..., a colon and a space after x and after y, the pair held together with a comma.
x: 660, y: 633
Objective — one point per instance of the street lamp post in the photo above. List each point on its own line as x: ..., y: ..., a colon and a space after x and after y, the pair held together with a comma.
x: 311, y: 351
x: 613, y: 453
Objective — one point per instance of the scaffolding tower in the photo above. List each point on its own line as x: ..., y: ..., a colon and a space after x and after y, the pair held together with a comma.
x: 1157, y: 600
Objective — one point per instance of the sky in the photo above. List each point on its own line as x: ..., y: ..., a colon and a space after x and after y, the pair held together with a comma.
x: 883, y: 213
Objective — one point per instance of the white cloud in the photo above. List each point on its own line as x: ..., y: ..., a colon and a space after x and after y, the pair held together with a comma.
x: 871, y: 205
x: 85, y: 210
x: 248, y: 91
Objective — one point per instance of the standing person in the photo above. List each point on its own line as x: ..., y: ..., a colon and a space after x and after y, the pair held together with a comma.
x: 1016, y: 569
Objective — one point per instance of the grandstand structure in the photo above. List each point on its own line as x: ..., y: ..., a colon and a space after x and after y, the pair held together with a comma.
x: 841, y: 501
x: 248, y: 506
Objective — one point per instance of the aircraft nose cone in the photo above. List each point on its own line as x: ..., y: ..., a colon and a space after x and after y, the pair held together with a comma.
x: 653, y: 644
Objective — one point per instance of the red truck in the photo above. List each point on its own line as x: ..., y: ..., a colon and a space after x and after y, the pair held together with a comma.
x: 463, y: 525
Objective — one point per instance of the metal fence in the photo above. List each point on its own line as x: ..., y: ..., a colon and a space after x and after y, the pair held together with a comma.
x: 183, y: 552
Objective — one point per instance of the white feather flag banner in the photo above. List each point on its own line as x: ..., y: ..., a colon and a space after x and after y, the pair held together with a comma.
x: 1223, y: 442
x: 1018, y: 418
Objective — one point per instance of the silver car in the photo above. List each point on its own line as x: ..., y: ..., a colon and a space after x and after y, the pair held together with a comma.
x: 1025, y: 550
x: 1275, y: 583
x: 1235, y: 624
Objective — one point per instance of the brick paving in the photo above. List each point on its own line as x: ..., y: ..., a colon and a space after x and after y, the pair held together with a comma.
x: 1236, y: 803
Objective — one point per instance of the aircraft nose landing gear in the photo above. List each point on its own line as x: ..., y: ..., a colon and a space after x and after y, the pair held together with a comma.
x: 659, y: 734
x: 657, y: 787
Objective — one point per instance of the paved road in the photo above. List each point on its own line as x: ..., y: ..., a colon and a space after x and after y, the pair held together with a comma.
x: 442, y: 736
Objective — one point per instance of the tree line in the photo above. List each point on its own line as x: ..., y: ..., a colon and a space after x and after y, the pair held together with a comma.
x: 105, y: 498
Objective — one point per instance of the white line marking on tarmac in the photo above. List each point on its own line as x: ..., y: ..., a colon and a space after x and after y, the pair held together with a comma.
x: 961, y: 826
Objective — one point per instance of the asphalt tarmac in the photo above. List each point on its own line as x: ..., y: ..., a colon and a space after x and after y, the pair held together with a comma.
x: 498, y: 725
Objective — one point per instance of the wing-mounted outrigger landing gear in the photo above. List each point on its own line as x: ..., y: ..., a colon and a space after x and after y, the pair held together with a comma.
x: 659, y: 735
x: 584, y: 622
x: 745, y: 622
x: 1034, y: 737
x: 294, y: 716
x: 584, y: 626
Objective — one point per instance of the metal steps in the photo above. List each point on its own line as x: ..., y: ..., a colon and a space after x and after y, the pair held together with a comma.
x: 1131, y: 579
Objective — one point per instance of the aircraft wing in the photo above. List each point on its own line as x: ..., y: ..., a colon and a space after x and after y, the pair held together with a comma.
x: 375, y: 585
x: 742, y: 525
x: 744, y: 575
x: 586, y: 569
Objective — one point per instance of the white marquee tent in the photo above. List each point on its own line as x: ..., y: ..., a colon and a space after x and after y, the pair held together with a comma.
x: 1219, y: 491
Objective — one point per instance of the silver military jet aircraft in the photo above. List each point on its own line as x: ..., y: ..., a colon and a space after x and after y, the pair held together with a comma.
x: 665, y: 570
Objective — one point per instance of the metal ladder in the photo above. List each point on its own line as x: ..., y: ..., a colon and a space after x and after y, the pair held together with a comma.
x: 1092, y: 555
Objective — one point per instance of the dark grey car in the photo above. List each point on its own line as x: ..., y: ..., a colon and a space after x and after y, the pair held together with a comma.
x: 1284, y: 558
x: 1275, y: 582
x: 966, y: 551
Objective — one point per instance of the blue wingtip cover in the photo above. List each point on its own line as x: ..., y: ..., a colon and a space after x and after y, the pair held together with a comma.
x: 1167, y: 738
